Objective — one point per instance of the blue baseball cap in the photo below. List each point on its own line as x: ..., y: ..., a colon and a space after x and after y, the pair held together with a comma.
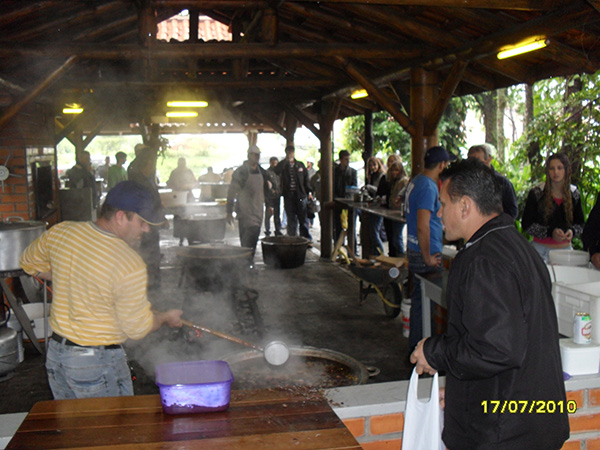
x: 134, y: 197
x: 438, y: 154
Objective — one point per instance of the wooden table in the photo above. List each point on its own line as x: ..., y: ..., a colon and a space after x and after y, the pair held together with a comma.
x: 256, y: 419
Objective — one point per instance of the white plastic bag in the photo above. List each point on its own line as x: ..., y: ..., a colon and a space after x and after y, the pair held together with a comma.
x: 423, y: 421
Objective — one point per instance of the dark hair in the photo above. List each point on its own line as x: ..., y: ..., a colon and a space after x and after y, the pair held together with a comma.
x: 343, y: 153
x: 108, y: 212
x: 472, y: 178
x: 273, y: 158
x: 566, y: 188
x: 290, y: 148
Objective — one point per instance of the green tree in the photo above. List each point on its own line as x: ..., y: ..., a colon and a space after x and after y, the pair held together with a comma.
x: 566, y: 118
x: 389, y: 137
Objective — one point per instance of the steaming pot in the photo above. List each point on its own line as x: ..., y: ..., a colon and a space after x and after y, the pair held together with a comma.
x: 14, y: 238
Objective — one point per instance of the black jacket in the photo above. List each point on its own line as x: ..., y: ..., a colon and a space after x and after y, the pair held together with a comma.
x: 501, y: 345
x: 509, y: 198
x: 591, y: 232
x: 302, y: 180
x: 535, y: 224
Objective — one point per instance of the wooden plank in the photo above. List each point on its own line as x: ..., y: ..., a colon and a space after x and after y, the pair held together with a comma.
x: 255, y: 419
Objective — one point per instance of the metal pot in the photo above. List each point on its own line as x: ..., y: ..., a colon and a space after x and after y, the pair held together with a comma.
x: 285, y: 252
x: 9, y: 350
x: 14, y: 238
x: 359, y: 372
x: 199, y: 228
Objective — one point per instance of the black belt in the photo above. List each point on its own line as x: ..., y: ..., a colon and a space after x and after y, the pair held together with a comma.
x: 63, y: 340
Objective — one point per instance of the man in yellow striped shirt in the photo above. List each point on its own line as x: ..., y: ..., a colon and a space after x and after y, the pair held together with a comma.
x: 99, y: 294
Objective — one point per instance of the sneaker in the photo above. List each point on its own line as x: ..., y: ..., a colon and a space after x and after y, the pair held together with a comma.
x: 267, y: 233
x: 278, y: 233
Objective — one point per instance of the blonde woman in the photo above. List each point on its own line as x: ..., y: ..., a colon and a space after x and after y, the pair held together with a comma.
x: 553, y: 214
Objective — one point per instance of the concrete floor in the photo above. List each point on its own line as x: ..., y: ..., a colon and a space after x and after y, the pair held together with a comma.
x: 315, y: 305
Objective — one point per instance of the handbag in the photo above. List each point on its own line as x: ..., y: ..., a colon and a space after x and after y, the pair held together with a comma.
x: 423, y: 421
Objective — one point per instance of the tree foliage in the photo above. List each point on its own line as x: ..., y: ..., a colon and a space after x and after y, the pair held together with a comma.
x: 564, y: 123
x: 389, y: 137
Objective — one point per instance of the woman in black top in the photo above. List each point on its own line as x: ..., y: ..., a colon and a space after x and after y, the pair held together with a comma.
x: 553, y: 214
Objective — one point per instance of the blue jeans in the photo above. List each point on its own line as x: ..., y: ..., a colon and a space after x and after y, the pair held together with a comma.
x: 544, y: 251
x: 416, y: 265
x: 396, y: 239
x: 295, y: 210
x: 86, y: 372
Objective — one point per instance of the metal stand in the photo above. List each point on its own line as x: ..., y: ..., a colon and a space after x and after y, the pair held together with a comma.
x: 21, y: 315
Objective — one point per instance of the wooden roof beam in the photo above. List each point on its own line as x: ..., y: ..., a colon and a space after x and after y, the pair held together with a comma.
x: 444, y: 97
x: 37, y: 90
x: 303, y: 119
x: 336, y: 22
x: 377, y: 94
x: 161, y: 50
x: 525, y: 5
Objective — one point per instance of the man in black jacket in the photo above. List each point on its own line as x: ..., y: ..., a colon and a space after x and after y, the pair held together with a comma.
x: 500, y: 352
x: 295, y: 189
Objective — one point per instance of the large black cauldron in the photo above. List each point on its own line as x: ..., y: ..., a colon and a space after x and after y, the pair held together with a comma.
x: 285, y: 252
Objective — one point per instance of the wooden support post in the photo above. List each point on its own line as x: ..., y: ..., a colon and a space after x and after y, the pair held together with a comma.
x: 291, y: 124
x: 423, y: 90
x: 368, y: 151
x: 329, y: 112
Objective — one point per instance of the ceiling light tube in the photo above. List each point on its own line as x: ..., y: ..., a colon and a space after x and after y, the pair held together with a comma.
x: 186, y: 104
x: 182, y: 114
x: 361, y: 93
x: 72, y: 110
x: 523, y: 48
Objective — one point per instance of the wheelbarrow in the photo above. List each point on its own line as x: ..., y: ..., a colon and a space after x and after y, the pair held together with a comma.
x: 385, y: 281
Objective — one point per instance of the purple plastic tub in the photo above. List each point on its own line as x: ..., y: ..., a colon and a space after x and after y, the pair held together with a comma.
x: 194, y: 386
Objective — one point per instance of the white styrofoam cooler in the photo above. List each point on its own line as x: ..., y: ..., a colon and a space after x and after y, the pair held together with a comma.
x: 576, y: 289
x: 171, y: 198
x: 35, y: 312
x: 579, y: 359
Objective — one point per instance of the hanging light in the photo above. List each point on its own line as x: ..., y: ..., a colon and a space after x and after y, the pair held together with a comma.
x: 72, y: 109
x: 360, y: 93
x: 522, y: 48
x: 187, y: 104
x: 182, y: 114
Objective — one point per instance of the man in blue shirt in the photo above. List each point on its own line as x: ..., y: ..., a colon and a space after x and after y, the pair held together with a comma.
x: 424, y: 229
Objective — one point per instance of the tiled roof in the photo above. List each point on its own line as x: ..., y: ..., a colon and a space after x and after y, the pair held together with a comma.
x: 177, y: 28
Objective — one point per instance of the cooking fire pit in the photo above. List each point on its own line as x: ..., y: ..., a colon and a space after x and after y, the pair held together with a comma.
x: 307, y: 366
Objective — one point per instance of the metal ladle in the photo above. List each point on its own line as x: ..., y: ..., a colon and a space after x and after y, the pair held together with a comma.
x: 276, y: 352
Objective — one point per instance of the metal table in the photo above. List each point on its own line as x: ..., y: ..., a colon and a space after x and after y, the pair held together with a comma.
x: 433, y: 288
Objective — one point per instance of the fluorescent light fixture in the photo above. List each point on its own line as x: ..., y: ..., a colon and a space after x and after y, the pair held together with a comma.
x: 72, y: 110
x: 361, y: 93
x: 182, y: 104
x: 522, y: 48
x: 182, y: 114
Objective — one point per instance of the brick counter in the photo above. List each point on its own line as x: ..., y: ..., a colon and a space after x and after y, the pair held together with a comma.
x: 374, y: 413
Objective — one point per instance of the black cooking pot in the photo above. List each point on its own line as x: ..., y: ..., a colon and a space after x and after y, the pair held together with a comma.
x: 199, y: 228
x: 250, y: 367
x: 284, y: 252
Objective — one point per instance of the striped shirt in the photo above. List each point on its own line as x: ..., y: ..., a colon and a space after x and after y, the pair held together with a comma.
x: 98, y: 284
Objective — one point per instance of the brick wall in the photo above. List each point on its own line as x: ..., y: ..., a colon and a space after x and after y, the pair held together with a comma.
x: 384, y: 432
x: 27, y: 138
